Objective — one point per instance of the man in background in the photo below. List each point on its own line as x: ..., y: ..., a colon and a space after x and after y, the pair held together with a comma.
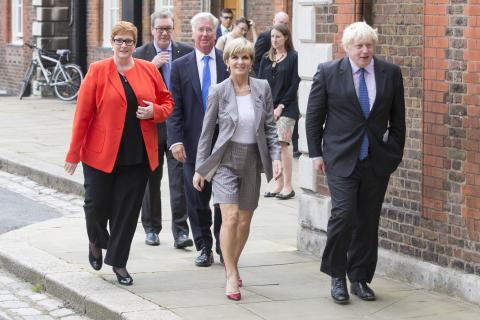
x: 162, y: 51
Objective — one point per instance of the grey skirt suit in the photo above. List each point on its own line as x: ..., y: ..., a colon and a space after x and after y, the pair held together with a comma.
x: 234, y: 168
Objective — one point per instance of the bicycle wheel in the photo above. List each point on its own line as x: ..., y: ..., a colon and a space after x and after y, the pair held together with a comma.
x: 66, y: 81
x: 25, y: 85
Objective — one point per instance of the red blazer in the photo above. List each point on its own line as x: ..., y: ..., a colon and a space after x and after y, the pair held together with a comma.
x: 101, y: 109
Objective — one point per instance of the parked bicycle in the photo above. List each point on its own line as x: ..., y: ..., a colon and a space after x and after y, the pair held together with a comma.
x: 64, y: 77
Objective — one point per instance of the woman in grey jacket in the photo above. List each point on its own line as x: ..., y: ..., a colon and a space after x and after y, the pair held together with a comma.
x: 247, y: 144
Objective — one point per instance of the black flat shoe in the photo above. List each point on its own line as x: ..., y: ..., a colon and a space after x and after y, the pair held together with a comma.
x: 362, y: 290
x: 96, y: 263
x: 126, y: 281
x: 285, y: 196
x: 269, y: 194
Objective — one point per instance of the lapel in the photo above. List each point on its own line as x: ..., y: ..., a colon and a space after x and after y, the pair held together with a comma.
x: 114, y: 79
x: 231, y: 101
x: 257, y: 100
x: 380, y: 79
x: 192, y: 70
x: 347, y: 80
x: 151, y: 52
x: 176, y: 53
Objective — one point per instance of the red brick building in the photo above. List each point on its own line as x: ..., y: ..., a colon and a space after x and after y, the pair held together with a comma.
x: 432, y: 209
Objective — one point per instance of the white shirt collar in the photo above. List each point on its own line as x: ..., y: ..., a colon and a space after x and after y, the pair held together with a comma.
x: 369, y: 68
x: 199, y: 54
x: 169, y: 48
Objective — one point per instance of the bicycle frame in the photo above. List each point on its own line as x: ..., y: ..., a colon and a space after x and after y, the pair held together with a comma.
x: 38, y: 57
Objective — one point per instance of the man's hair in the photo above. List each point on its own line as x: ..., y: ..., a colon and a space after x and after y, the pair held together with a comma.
x: 227, y: 10
x: 201, y: 16
x: 165, y: 14
x: 358, y: 31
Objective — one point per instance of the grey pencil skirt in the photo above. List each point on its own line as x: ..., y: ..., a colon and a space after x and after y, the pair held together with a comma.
x: 237, y: 179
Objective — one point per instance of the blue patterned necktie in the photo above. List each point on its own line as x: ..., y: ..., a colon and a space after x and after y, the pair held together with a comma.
x: 206, y: 81
x: 166, y: 70
x: 365, y: 104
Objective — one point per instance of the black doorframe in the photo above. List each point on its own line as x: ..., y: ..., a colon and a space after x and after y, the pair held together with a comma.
x: 132, y: 12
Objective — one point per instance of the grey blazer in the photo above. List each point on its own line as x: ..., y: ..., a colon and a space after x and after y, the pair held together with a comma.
x: 222, y: 109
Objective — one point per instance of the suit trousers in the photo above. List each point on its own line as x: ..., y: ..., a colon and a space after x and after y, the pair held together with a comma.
x: 152, y: 203
x: 199, y: 213
x: 115, y: 199
x: 352, y: 232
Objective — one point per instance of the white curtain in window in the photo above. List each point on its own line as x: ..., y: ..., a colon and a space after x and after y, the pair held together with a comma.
x: 110, y: 17
x: 17, y: 21
x: 161, y: 5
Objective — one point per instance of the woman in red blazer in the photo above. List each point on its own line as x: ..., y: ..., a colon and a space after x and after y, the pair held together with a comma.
x: 115, y: 137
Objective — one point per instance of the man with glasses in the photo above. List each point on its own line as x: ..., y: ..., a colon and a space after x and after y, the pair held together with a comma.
x: 162, y: 51
x: 226, y: 25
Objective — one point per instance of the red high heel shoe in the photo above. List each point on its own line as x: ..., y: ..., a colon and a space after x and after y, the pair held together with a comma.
x: 235, y: 296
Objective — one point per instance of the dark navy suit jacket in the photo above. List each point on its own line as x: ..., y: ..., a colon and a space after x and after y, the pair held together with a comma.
x: 185, y: 123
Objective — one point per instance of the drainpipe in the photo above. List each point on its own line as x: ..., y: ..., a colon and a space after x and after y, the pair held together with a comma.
x: 78, y: 21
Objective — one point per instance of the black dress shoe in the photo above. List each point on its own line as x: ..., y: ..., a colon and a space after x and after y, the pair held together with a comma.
x: 123, y: 280
x: 362, y: 290
x: 282, y: 196
x: 96, y: 263
x: 339, y: 291
x: 205, y: 259
x: 182, y: 241
x: 296, y: 154
x: 151, y: 238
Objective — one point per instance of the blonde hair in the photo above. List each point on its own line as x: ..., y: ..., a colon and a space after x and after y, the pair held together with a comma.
x: 124, y: 27
x: 358, y: 31
x: 238, y: 46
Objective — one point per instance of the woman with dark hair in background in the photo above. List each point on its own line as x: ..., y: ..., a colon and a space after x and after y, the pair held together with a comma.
x: 280, y: 68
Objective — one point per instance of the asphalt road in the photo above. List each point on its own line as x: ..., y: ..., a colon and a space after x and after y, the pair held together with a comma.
x: 17, y: 211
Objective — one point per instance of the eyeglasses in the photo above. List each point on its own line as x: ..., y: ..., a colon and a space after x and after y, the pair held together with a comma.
x: 119, y: 42
x: 162, y: 30
x: 227, y: 17
x: 205, y: 30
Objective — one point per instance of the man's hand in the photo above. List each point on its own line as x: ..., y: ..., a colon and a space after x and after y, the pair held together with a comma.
x: 198, y: 181
x: 319, y: 165
x: 178, y: 152
x: 160, y: 59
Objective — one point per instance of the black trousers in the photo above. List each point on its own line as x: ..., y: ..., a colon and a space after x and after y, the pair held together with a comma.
x: 152, y: 203
x: 352, y: 233
x: 199, y: 213
x: 115, y: 199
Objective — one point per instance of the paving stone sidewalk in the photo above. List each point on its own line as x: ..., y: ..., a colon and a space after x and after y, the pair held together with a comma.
x: 20, y: 300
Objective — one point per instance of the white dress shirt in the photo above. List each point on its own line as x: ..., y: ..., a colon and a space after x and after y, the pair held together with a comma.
x: 211, y: 62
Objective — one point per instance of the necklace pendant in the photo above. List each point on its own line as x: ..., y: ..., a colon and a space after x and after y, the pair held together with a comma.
x: 274, y: 64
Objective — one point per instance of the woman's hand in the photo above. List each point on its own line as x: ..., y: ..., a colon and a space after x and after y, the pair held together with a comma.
x: 277, y: 169
x: 198, y: 181
x: 144, y: 113
x: 70, y: 167
x: 277, y: 113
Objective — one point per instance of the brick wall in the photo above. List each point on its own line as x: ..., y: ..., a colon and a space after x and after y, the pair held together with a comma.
x: 15, y: 58
x: 432, y: 204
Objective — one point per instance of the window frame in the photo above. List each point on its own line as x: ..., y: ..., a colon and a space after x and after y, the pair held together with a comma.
x: 109, y: 8
x: 161, y: 5
x: 17, y: 26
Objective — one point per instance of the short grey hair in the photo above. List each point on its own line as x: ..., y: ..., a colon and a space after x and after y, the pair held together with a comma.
x: 359, y: 31
x: 165, y: 14
x: 202, y: 16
